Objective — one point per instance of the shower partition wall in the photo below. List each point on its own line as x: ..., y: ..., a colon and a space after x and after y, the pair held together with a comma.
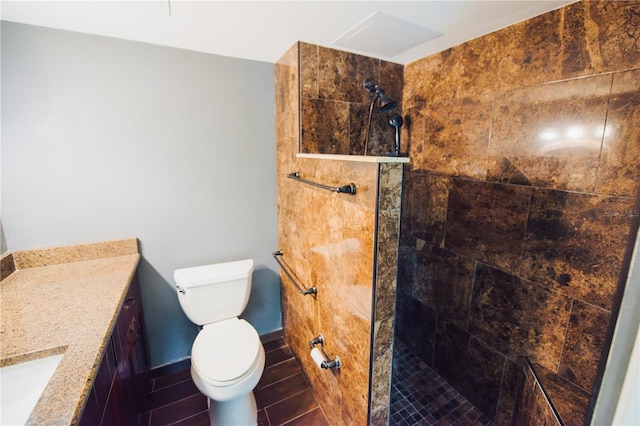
x: 345, y: 245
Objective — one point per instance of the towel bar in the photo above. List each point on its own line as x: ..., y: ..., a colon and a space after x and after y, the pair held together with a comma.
x: 346, y: 189
x: 277, y: 255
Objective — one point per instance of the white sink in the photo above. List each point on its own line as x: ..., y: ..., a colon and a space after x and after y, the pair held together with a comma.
x: 21, y: 386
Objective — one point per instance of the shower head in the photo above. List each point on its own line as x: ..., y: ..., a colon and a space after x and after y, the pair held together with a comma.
x: 386, y: 103
x: 396, y: 120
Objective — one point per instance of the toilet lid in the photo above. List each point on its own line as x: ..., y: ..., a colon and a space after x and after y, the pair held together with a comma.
x: 225, y: 350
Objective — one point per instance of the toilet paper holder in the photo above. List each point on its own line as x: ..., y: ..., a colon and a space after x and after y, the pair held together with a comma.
x: 324, y: 362
x: 319, y: 339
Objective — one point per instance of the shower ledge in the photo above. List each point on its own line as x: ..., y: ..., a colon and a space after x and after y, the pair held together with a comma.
x: 357, y: 158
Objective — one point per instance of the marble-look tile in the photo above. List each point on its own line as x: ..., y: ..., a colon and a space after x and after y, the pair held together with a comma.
x: 512, y: 382
x: 487, y: 221
x: 332, y: 75
x: 518, y: 317
x: 456, y: 137
x: 618, y: 173
x: 381, y: 364
x: 597, y: 37
x: 287, y: 121
x: 335, y: 234
x: 570, y: 401
x: 354, y: 376
x: 412, y: 137
x: 390, y: 186
x: 515, y: 56
x: 575, y: 243
x: 415, y: 326
x: 533, y: 407
x: 325, y: 384
x: 406, y: 268
x: 308, y: 62
x: 392, y: 81
x: 444, y: 282
x: 387, y: 264
x: 338, y: 173
x: 324, y: 126
x: 382, y: 135
x: 358, y: 116
x: 424, y: 206
x: 380, y: 417
x: 341, y: 75
x: 550, y: 135
x: 425, y: 82
x: 582, y: 39
x: 584, y: 343
x: 328, y: 238
x: 287, y: 81
x: 469, y: 365
x: 525, y: 51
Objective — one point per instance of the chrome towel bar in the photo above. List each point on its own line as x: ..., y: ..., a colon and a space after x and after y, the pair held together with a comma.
x: 287, y: 270
x: 346, y: 189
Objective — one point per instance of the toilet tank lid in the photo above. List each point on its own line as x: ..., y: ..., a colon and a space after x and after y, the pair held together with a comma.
x: 211, y: 274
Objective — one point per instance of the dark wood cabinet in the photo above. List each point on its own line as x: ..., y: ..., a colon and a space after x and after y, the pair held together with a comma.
x: 119, y: 391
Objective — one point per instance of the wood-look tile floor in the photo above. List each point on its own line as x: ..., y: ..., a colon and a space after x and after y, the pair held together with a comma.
x: 283, y: 395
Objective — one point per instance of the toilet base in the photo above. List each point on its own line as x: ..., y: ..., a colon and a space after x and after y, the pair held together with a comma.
x: 241, y: 411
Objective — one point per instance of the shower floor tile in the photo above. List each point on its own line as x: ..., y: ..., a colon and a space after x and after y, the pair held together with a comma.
x: 419, y: 396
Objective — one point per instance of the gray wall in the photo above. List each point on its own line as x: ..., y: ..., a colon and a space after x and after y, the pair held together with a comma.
x: 105, y: 139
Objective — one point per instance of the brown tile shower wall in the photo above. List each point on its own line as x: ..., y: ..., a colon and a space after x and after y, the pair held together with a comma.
x: 525, y: 162
x: 329, y: 241
x: 335, y: 105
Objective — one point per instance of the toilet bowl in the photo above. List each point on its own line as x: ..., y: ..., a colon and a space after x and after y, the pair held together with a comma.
x: 227, y: 361
x: 227, y: 356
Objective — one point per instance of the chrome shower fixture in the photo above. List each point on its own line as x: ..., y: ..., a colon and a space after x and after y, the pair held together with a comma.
x: 386, y: 104
x: 396, y: 121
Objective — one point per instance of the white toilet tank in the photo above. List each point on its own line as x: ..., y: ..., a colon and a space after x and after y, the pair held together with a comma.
x: 215, y: 292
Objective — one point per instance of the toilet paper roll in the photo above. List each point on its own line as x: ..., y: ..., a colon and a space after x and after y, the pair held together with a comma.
x: 317, y: 357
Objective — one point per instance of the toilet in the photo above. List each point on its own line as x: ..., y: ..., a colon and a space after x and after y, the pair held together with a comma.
x: 227, y: 357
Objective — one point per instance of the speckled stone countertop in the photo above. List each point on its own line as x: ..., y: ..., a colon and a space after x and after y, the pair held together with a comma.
x: 64, y: 300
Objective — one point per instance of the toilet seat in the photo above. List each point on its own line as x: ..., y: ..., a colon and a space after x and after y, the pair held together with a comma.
x: 225, y: 351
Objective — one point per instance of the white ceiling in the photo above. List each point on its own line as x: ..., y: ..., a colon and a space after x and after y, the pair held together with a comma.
x: 264, y: 30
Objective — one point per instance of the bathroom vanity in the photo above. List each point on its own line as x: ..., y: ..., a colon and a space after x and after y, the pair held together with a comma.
x: 82, y: 302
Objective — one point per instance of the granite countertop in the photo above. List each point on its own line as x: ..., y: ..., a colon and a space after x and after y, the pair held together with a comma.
x: 63, y: 300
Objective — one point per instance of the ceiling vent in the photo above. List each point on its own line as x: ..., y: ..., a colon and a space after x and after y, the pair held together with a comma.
x: 384, y: 35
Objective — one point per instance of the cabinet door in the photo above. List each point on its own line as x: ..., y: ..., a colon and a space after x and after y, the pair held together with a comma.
x: 119, y: 391
x: 92, y: 414
x: 131, y: 308
x: 138, y: 358
x: 114, y: 412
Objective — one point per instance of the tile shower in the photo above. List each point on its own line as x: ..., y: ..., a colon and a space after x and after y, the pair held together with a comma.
x: 516, y: 207
x: 518, y: 203
x: 345, y: 245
